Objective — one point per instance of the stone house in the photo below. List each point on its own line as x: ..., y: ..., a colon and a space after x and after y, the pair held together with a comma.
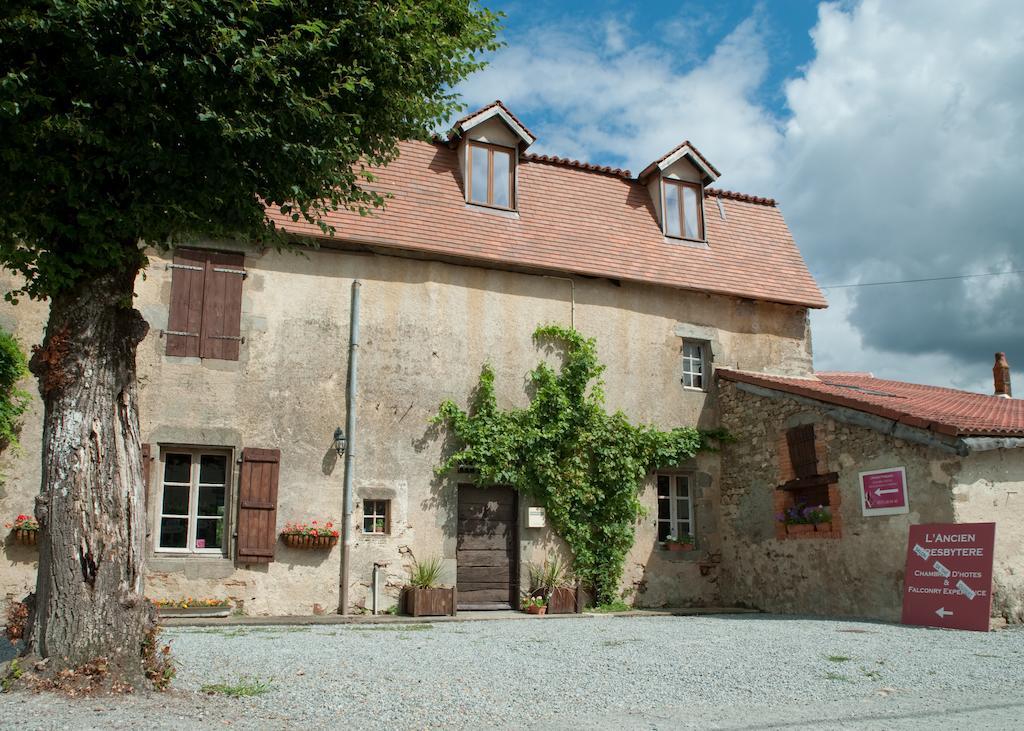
x: 243, y: 373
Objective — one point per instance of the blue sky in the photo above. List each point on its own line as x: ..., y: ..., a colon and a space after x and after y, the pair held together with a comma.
x: 888, y: 130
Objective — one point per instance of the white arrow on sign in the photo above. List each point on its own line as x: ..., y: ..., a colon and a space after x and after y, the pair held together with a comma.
x: 943, y: 612
x: 891, y: 491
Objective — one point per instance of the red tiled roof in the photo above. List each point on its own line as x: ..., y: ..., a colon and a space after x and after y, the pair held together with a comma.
x: 942, y: 410
x: 572, y: 220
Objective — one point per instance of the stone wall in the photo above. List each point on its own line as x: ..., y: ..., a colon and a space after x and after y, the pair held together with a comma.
x: 427, y: 328
x: 858, y: 572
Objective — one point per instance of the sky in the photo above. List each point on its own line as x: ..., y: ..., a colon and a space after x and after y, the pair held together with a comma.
x: 889, y: 131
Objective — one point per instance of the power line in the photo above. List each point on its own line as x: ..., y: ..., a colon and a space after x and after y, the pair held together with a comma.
x: 926, y: 279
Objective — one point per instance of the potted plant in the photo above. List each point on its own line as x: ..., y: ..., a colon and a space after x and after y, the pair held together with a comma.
x: 534, y: 605
x: 682, y: 542
x: 821, y: 519
x: 192, y: 607
x: 423, y: 596
x: 312, y: 535
x: 797, y: 520
x: 25, y: 529
x: 553, y: 581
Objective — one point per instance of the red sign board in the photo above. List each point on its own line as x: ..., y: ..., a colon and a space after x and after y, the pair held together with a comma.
x: 948, y: 579
x: 884, y: 492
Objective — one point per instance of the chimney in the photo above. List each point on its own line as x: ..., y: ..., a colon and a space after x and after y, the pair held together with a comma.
x: 1001, y: 376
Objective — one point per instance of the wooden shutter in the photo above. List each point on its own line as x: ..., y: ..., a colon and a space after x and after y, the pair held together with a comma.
x: 222, y: 306
x: 184, y: 321
x: 147, y: 453
x: 257, y: 505
x: 801, y: 450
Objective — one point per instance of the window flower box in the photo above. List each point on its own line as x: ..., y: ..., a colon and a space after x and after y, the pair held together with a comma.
x: 823, y: 527
x: 25, y: 530
x: 310, y: 536
x: 796, y: 529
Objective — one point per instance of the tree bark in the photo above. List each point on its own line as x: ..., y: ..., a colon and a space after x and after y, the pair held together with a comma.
x: 89, y: 591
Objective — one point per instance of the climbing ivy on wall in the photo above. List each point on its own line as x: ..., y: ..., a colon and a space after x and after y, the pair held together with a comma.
x: 564, y: 450
x: 13, y: 401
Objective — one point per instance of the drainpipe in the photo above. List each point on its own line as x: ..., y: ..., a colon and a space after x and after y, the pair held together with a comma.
x: 350, y: 447
x: 572, y: 298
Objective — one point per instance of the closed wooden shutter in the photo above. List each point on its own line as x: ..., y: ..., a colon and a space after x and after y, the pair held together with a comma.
x: 801, y: 450
x: 257, y: 505
x: 222, y: 306
x: 185, y: 319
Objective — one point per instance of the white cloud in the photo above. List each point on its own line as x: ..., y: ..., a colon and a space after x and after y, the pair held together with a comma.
x: 898, y: 156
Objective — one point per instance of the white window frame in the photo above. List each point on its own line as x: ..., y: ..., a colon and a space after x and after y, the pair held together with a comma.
x: 196, y: 453
x: 675, y: 521
x: 688, y: 362
x: 375, y: 516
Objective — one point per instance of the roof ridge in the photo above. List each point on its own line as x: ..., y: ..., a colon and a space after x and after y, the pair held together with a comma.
x: 568, y: 162
x: 744, y: 197
x: 927, y: 386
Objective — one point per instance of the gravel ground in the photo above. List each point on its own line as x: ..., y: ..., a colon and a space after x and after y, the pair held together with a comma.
x: 754, y: 671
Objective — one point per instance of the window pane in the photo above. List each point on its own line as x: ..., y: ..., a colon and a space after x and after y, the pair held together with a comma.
x: 211, y: 501
x: 690, y: 212
x: 173, y: 532
x: 478, y: 163
x: 175, y: 500
x: 213, y: 469
x: 664, y: 509
x: 663, y: 483
x: 502, y: 165
x: 672, y: 227
x: 177, y: 468
x: 209, y: 533
x: 688, y: 381
x: 663, y: 530
x: 683, y: 485
x: 683, y: 509
x: 368, y: 524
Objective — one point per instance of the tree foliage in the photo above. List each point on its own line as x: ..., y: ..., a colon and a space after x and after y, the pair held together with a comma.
x: 13, y: 401
x: 123, y: 120
x: 584, y: 465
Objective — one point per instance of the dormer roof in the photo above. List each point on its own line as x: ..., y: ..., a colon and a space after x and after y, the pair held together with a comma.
x: 494, y: 109
x: 691, y: 153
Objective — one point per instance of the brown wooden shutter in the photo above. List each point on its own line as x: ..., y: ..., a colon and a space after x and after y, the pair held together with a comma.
x: 222, y: 306
x: 801, y: 450
x: 184, y: 321
x: 257, y: 505
x: 146, y: 461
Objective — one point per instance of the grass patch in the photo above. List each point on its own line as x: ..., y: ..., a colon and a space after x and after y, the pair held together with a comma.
x: 616, y: 606
x: 244, y: 688
x: 836, y: 676
x: 393, y: 628
x: 14, y: 672
x: 839, y: 658
x: 871, y: 674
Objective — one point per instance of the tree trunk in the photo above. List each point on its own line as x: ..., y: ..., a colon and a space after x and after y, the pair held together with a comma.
x: 89, y: 591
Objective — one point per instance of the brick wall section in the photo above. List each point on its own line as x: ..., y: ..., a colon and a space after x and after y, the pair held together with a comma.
x: 785, y: 499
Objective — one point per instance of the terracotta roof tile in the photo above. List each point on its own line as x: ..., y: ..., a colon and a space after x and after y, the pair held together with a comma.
x: 577, y: 220
x: 942, y: 410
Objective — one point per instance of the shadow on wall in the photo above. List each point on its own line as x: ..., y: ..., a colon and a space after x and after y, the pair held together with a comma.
x: 18, y: 553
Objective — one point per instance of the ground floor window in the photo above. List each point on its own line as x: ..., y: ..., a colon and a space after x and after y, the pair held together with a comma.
x: 375, y: 516
x: 675, y: 506
x: 193, y: 495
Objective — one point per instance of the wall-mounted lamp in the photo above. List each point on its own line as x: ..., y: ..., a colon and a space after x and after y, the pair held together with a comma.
x: 340, y: 441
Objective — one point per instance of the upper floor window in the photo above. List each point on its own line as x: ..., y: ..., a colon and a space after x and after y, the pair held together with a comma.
x: 206, y: 304
x: 491, y: 175
x: 192, y: 499
x: 683, y: 216
x: 693, y: 364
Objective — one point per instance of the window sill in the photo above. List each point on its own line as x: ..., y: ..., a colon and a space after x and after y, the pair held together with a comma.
x: 694, y: 389
x: 493, y: 210
x: 692, y: 243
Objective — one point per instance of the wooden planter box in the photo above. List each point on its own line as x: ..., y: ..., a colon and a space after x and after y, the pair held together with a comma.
x: 193, y: 611
x: 679, y: 546
x: 796, y: 529
x: 564, y: 600
x: 823, y: 527
x: 298, y: 541
x: 429, y: 602
x: 26, y: 537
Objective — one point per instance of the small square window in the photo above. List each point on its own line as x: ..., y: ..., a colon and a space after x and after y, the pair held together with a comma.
x: 694, y: 364
x: 376, y: 516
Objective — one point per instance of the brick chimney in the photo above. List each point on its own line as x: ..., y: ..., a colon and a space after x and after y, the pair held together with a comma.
x: 1001, y: 376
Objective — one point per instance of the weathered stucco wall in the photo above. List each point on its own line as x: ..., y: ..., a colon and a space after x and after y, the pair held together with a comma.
x: 990, y: 488
x: 859, y: 573
x: 427, y: 327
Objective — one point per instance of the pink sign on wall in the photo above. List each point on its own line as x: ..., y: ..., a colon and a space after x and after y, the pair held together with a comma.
x: 884, y: 492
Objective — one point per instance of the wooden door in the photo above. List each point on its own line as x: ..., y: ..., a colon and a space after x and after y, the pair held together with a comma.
x: 487, y: 555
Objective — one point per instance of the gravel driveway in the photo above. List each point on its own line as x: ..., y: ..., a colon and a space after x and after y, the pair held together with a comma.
x: 753, y: 671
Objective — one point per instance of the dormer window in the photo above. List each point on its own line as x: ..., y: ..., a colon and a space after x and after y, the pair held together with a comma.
x: 491, y: 178
x: 683, y: 215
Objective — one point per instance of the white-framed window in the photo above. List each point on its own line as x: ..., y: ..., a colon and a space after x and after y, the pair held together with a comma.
x: 376, y: 516
x: 675, y: 506
x: 193, y: 495
x: 694, y: 364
